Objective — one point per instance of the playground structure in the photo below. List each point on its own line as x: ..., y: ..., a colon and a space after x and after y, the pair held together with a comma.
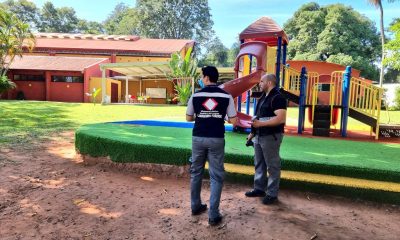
x: 263, y: 50
x: 346, y: 168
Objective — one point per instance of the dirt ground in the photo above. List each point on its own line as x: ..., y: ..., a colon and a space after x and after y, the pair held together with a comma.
x: 46, y: 192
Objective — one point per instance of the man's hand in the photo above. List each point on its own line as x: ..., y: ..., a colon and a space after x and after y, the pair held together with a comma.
x: 233, y: 121
x: 190, y: 118
x: 250, y: 136
x: 257, y: 123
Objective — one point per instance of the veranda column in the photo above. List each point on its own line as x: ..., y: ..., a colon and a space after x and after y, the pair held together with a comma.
x: 126, y: 90
x: 103, y: 86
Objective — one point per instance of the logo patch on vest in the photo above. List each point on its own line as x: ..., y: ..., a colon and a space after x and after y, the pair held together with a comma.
x: 210, y: 104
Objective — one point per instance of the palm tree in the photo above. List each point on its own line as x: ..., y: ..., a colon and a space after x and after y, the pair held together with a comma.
x: 15, y: 35
x: 378, y: 4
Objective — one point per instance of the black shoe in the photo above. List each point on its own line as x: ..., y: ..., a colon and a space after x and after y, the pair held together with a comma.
x: 255, y: 193
x: 200, y: 210
x: 268, y: 200
x: 215, y: 221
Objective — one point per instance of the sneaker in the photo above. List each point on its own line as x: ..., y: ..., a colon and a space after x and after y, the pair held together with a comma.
x: 269, y: 200
x: 215, y: 221
x: 255, y: 193
x: 200, y: 210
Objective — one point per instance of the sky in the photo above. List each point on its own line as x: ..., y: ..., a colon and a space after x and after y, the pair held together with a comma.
x: 230, y: 17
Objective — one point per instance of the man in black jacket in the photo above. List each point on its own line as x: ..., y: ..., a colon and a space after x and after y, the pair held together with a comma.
x: 208, y: 108
x: 267, y: 134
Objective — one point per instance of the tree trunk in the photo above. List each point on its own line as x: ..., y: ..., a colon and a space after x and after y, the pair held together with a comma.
x: 383, y: 45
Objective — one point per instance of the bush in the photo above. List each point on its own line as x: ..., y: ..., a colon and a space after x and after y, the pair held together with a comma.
x: 397, y: 99
x: 6, y: 84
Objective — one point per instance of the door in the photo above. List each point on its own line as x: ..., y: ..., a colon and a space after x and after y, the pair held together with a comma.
x: 114, y: 92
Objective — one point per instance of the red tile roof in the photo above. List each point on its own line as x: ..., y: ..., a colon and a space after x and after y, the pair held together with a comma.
x: 264, y: 29
x: 54, y: 63
x: 109, y: 43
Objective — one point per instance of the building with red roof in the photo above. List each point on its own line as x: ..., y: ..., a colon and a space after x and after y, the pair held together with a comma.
x: 64, y: 67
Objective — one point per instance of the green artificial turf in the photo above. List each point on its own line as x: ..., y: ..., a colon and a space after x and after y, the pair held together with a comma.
x: 132, y: 143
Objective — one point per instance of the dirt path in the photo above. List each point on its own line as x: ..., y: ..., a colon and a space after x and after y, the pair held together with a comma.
x: 47, y: 193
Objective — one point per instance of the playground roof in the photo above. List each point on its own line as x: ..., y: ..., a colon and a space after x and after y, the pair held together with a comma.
x: 54, y: 63
x: 119, y: 44
x: 264, y: 29
x: 138, y: 69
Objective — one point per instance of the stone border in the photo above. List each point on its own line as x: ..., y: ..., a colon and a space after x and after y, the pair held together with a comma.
x: 144, y: 168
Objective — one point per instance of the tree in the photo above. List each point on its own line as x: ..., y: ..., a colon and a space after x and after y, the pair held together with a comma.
x: 232, y: 54
x: 62, y: 20
x: 122, y: 21
x: 175, y: 19
x: 25, y: 10
x: 89, y: 27
x: 393, y: 47
x: 334, y: 33
x: 216, y: 54
x: 14, y: 35
x: 378, y: 4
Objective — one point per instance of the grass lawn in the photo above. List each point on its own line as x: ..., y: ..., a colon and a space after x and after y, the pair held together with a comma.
x: 22, y: 121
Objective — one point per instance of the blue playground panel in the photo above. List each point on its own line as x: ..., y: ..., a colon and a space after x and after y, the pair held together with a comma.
x: 228, y: 128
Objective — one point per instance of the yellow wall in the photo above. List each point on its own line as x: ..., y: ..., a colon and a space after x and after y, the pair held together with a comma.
x: 95, y: 82
x: 271, y: 59
x: 134, y: 88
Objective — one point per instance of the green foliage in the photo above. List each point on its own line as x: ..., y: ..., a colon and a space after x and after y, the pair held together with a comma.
x: 216, y: 54
x: 183, y: 68
x: 392, y: 75
x: 122, y: 20
x: 14, y: 35
x: 6, y: 84
x: 175, y: 19
x: 89, y: 27
x: 183, y: 93
x: 397, y: 99
x: 393, y: 47
x: 26, y: 11
x: 334, y: 33
x: 61, y: 20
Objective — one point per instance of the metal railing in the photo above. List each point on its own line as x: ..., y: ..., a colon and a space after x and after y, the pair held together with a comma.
x: 337, y: 83
x: 312, y: 81
x: 292, y: 80
x: 366, y: 99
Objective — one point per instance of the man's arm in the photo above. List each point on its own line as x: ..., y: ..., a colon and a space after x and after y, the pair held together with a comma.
x: 190, y: 110
x: 280, y: 118
x: 231, y: 112
x: 190, y: 118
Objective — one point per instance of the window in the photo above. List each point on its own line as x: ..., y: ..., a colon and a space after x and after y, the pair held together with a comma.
x: 28, y: 77
x: 68, y: 79
x: 324, y: 87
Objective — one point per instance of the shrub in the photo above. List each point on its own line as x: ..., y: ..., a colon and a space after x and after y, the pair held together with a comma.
x: 397, y: 99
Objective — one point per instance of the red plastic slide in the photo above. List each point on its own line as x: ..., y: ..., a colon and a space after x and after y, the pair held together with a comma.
x: 238, y: 86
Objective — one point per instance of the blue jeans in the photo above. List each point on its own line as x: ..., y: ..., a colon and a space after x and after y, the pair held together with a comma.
x: 267, y: 159
x: 213, y: 150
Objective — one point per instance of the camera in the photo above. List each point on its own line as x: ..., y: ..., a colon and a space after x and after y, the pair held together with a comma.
x: 249, y: 143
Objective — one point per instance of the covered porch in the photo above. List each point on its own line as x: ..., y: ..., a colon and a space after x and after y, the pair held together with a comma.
x: 141, y: 82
